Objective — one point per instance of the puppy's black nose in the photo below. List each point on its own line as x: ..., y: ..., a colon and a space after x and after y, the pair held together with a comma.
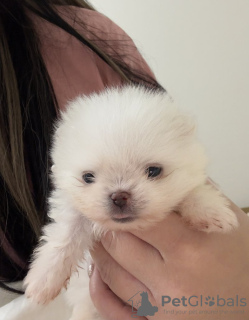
x: 120, y: 198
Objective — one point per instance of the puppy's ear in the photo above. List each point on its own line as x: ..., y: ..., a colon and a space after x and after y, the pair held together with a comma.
x: 184, y: 126
x: 189, y: 130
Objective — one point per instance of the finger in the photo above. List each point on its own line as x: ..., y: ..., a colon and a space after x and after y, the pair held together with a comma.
x: 136, y: 256
x: 173, y: 238
x: 168, y: 236
x: 106, y: 302
x: 117, y: 278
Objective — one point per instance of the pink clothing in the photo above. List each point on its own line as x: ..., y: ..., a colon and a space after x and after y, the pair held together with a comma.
x: 73, y: 68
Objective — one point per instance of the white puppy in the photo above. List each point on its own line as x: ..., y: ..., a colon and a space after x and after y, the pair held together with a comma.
x: 123, y: 160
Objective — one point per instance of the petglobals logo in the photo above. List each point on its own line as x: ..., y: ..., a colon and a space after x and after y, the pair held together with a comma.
x: 141, y: 306
x: 194, y: 305
x: 201, y: 301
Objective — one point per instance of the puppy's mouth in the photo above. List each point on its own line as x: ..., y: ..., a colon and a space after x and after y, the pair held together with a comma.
x: 123, y: 218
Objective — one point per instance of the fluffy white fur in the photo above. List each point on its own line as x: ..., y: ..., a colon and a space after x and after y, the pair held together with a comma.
x: 116, y: 136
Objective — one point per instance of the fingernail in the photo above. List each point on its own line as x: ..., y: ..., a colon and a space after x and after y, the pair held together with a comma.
x: 90, y: 270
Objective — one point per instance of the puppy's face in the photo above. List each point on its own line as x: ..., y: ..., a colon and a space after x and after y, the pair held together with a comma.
x: 126, y: 158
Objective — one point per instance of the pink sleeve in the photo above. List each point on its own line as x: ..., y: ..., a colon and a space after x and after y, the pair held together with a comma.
x: 74, y: 69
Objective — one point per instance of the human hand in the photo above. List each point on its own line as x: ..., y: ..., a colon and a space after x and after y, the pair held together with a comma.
x: 173, y: 260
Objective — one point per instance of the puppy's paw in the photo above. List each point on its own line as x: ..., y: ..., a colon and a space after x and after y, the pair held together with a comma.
x: 43, y: 287
x: 218, y: 221
x: 49, y: 273
x: 205, y: 209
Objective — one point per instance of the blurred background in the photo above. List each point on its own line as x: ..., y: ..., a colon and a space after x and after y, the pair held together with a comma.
x: 199, y: 51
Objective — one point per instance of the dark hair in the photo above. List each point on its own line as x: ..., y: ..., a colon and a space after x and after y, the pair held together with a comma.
x: 27, y: 111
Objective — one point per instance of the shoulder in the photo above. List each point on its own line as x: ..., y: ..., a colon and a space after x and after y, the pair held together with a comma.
x: 94, y: 25
x: 73, y: 68
x: 91, y: 24
x: 100, y: 30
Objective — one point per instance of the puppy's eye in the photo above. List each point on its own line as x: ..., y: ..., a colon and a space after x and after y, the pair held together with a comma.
x: 88, y: 177
x: 153, y: 172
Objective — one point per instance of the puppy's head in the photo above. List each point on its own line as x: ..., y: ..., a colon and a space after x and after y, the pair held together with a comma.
x: 126, y: 157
